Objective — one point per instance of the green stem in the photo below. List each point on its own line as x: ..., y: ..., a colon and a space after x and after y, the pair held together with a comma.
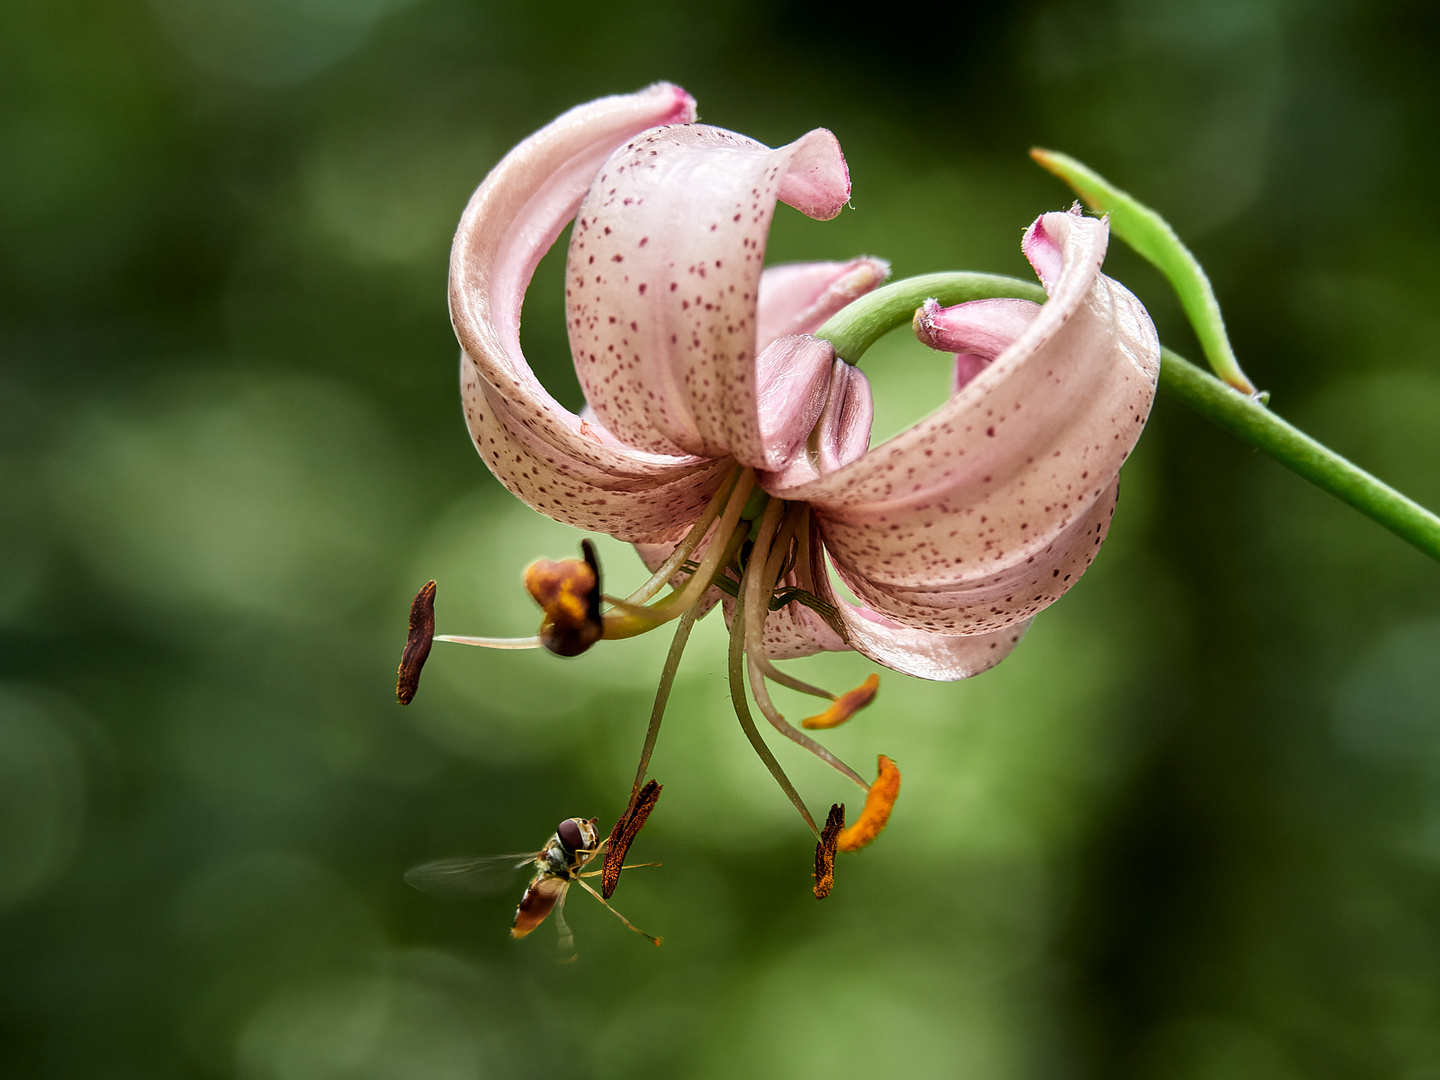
x: 862, y: 323
x: 1253, y: 423
x: 662, y: 698
x: 857, y: 326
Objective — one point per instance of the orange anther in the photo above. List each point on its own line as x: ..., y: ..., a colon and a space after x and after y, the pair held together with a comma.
x: 879, y: 801
x: 845, y: 706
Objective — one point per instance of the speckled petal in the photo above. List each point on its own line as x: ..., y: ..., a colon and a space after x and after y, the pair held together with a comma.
x: 1016, y: 590
x: 545, y: 454
x: 663, y: 277
x: 797, y: 298
x: 1012, y: 473
x: 623, y: 496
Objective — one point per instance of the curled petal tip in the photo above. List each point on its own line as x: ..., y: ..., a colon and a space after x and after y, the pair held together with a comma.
x: 818, y: 181
x: 684, y: 109
x: 417, y: 644
x: 924, y: 323
x: 879, y: 801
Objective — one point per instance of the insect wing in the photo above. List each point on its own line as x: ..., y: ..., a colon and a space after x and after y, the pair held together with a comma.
x: 469, y: 877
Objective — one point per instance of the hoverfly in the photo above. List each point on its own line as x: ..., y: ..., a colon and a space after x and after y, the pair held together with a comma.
x: 558, y: 865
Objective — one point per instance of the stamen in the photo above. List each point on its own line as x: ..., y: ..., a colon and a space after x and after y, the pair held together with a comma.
x: 721, y: 550
x: 492, y: 642
x: 569, y: 593
x: 417, y: 644
x: 687, y: 546
x: 758, y: 586
x: 845, y: 706
x: 627, y: 827
x: 662, y: 698
x: 790, y: 682
x: 723, y: 545
x: 879, y: 801
x: 825, y: 851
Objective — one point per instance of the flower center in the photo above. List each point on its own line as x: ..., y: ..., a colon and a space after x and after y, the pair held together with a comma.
x: 759, y: 552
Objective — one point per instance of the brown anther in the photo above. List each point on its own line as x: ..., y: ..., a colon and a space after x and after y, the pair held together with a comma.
x: 627, y: 827
x: 417, y: 645
x: 879, y: 801
x: 569, y: 593
x: 845, y: 706
x: 825, y: 851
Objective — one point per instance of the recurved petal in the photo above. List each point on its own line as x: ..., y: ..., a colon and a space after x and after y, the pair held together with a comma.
x: 540, y: 450
x: 1012, y: 470
x: 1019, y: 587
x: 796, y: 631
x: 797, y: 298
x: 632, y: 496
x: 663, y: 278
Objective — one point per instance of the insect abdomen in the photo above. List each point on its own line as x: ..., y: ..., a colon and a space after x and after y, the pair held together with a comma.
x: 539, y: 900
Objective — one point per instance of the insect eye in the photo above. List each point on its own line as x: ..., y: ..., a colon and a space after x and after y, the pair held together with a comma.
x: 570, y: 836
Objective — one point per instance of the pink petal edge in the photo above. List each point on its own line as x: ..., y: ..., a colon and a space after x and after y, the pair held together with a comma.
x: 541, y: 451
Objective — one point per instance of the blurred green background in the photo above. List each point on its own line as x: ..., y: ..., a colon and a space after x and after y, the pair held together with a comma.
x: 1190, y: 830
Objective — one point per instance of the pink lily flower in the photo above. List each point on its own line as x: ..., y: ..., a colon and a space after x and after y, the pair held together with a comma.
x: 731, y: 444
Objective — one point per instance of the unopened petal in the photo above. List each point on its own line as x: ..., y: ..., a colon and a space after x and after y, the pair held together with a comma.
x: 976, y: 332
x: 663, y: 278
x: 541, y: 451
x: 797, y: 298
x: 793, y: 378
x: 839, y: 436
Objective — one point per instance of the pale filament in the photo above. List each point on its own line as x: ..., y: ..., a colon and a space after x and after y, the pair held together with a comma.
x: 761, y: 574
x: 736, y: 672
x: 785, y: 679
x: 687, y: 546
x: 716, y: 555
x: 492, y: 642
x: 628, y: 618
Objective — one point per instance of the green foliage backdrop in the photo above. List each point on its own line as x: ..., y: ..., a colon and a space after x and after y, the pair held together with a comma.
x: 1190, y: 830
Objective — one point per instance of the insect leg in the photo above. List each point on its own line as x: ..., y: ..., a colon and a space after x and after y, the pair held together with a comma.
x: 622, y: 918
x: 627, y: 866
